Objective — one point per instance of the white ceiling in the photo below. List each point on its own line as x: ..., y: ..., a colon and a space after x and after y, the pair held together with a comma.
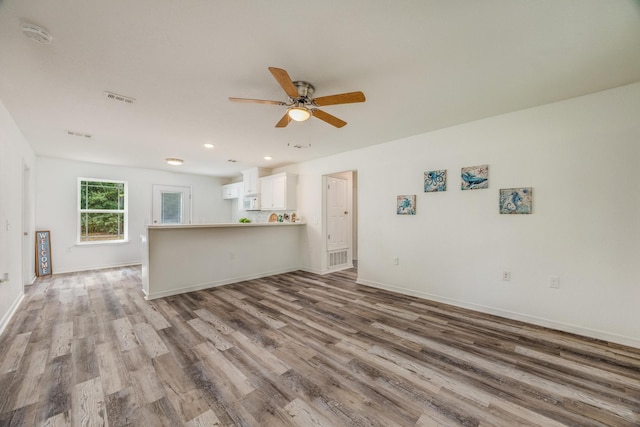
x: 423, y: 65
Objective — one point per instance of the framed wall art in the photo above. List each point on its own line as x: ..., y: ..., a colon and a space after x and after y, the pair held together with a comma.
x: 516, y: 200
x: 406, y: 205
x: 474, y: 177
x: 435, y: 181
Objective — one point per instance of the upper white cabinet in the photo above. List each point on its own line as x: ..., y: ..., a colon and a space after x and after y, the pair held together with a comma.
x: 231, y: 191
x: 278, y: 192
x: 251, y: 179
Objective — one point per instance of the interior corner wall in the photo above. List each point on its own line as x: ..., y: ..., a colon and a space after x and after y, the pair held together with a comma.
x: 581, y: 156
x: 56, y: 209
x: 15, y: 155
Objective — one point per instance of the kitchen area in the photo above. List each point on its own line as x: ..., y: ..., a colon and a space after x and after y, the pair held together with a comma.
x: 262, y: 196
x: 263, y: 239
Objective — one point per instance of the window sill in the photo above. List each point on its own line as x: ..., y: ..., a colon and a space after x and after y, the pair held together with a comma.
x: 104, y: 243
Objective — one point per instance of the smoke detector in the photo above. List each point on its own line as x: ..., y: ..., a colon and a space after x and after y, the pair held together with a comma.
x: 36, y: 33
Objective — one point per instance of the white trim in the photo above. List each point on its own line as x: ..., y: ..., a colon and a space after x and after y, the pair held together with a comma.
x: 327, y: 271
x: 12, y: 310
x: 98, y: 267
x: 102, y: 242
x: 560, y: 326
x: 209, y: 285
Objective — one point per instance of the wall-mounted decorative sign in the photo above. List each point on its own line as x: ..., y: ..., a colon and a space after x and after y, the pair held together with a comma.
x: 43, y: 253
x: 435, y: 181
x: 474, y: 177
x: 516, y: 200
x: 406, y: 205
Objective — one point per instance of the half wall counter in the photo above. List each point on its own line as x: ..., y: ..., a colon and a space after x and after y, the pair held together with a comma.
x: 185, y: 258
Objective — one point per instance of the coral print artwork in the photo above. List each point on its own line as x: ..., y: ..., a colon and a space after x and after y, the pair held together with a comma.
x: 406, y: 205
x: 474, y: 177
x: 516, y: 200
x: 435, y: 181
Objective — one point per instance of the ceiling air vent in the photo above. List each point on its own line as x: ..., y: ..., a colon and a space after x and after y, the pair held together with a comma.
x: 299, y: 145
x: 81, y: 134
x: 36, y: 33
x: 120, y: 98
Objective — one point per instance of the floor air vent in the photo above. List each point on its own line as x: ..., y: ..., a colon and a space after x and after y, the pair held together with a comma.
x: 337, y: 258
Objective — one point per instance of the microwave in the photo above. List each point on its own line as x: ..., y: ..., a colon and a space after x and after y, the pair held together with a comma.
x: 251, y: 203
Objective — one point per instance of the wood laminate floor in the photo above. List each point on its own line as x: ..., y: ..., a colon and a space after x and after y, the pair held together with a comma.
x: 295, y: 350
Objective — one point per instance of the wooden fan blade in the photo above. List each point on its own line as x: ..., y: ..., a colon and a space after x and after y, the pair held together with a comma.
x: 343, y: 98
x: 284, y: 121
x: 326, y: 117
x: 285, y: 81
x: 257, y: 101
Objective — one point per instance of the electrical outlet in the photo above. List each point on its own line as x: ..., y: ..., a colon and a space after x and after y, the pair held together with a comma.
x: 554, y: 282
x: 506, y: 276
x: 396, y: 261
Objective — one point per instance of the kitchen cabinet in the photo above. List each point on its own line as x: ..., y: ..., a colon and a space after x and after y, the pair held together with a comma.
x: 278, y: 192
x: 231, y: 191
x: 251, y: 179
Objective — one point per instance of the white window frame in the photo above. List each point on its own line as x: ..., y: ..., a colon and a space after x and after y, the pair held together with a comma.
x: 124, y: 211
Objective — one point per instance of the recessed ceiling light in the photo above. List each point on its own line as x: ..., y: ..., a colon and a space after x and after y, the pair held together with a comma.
x: 207, y: 145
x: 268, y: 157
x: 174, y: 162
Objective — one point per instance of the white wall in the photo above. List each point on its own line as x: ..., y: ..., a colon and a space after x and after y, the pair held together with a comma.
x: 15, y: 155
x: 581, y: 156
x: 56, y: 209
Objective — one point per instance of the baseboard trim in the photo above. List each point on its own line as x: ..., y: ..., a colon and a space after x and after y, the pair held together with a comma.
x: 547, y: 323
x: 327, y: 271
x: 100, y: 267
x: 208, y: 285
x: 12, y: 310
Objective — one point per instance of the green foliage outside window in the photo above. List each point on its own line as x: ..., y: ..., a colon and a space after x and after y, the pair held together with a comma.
x: 102, y: 211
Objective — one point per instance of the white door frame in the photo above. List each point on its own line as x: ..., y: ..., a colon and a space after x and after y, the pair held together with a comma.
x: 28, y: 240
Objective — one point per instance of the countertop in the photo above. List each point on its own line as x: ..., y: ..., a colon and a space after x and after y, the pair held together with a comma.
x: 222, y: 225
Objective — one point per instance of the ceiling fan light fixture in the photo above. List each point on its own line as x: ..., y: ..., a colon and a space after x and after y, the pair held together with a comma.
x: 299, y: 114
x: 174, y: 162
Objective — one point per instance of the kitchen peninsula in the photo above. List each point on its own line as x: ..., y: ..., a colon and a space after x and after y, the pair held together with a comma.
x: 185, y: 258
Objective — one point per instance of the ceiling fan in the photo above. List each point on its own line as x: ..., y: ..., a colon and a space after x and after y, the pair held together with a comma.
x: 301, y: 105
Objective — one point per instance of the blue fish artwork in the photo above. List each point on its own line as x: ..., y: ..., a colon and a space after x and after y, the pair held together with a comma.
x: 474, y: 177
x: 406, y: 205
x: 516, y: 200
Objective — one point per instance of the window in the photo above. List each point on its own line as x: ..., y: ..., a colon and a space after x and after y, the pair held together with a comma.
x: 102, y: 211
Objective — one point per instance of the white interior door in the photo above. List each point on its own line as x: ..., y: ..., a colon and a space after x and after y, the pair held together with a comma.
x: 171, y: 204
x: 337, y: 214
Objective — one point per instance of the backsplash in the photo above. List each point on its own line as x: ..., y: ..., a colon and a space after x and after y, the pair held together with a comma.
x: 263, y: 216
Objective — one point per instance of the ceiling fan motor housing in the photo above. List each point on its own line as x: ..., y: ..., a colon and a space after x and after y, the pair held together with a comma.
x: 305, y: 89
